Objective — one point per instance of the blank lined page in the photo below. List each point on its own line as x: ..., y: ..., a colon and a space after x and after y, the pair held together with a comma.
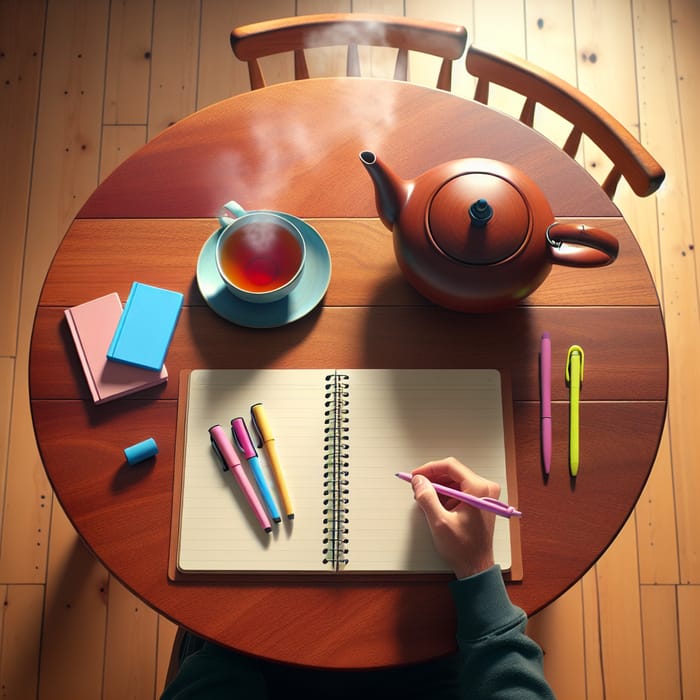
x: 218, y: 531
x: 397, y: 420
x: 400, y: 419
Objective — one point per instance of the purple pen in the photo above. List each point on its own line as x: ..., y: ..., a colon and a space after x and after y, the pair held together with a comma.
x: 546, y: 400
x: 488, y: 504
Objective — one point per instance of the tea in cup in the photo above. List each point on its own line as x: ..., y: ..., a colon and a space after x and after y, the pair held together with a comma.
x: 260, y: 256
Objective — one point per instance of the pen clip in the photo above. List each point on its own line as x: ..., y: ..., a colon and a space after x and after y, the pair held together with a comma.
x: 241, y: 437
x: 217, y: 451
x: 504, y: 508
x: 236, y: 441
x: 255, y: 426
x: 574, y: 349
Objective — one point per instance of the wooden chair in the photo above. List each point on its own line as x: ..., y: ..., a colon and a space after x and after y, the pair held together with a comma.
x: 629, y: 158
x: 295, y: 34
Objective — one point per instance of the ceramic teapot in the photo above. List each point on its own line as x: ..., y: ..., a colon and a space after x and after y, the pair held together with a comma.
x: 478, y: 235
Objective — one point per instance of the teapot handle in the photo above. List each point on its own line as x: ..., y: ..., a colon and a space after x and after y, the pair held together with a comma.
x: 591, y: 247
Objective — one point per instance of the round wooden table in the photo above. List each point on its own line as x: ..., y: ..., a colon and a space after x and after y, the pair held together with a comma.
x: 294, y: 147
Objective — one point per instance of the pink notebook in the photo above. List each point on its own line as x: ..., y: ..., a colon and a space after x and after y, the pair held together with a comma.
x: 92, y: 325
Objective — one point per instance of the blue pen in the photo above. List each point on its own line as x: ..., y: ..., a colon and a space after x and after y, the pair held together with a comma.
x: 245, y: 445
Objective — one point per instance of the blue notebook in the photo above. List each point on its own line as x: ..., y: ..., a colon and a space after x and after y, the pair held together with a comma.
x: 146, y: 326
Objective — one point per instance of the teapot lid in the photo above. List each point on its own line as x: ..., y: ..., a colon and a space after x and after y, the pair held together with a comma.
x: 478, y: 218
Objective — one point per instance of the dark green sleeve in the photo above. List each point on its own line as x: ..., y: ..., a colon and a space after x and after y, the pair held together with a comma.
x: 498, y: 659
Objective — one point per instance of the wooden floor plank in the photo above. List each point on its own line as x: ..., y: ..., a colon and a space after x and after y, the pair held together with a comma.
x: 166, y: 637
x: 661, y: 654
x: 7, y: 367
x: 594, y: 689
x: 26, y: 517
x: 173, y: 70
x: 3, y: 596
x: 128, y: 62
x: 21, y: 37
x: 131, y: 646
x: 68, y: 129
x: 67, y: 136
x: 656, y: 522
x: 20, y: 641
x: 118, y: 143
x: 311, y: 7
x: 686, y: 19
x: 73, y: 635
x: 620, y: 618
x: 606, y: 43
x: 689, y: 633
x: 686, y: 227
x: 660, y: 129
x: 558, y: 629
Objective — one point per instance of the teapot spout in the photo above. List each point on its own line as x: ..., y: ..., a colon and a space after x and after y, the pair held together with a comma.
x: 390, y: 190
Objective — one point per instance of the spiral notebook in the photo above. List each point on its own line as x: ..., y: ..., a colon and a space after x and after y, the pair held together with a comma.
x: 341, y: 436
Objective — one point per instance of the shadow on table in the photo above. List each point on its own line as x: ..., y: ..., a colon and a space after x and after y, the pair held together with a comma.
x: 222, y: 344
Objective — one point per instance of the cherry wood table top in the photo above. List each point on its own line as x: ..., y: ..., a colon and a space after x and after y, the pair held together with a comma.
x: 294, y: 147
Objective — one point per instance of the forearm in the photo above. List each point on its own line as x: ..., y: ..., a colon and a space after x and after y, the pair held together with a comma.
x: 498, y: 659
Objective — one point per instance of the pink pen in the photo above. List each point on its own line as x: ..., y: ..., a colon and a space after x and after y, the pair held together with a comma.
x: 546, y: 400
x: 224, y: 449
x: 488, y: 504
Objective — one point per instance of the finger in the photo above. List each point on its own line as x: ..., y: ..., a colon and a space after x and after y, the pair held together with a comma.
x: 451, y: 472
x: 427, y: 498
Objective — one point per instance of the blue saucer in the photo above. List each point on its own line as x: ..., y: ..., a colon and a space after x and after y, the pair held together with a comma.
x: 308, y: 293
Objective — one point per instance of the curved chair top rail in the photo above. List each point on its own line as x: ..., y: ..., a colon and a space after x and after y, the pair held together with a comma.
x: 629, y: 158
x: 295, y: 34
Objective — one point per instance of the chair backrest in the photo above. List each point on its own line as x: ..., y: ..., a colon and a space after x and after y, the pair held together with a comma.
x: 254, y: 41
x: 628, y: 157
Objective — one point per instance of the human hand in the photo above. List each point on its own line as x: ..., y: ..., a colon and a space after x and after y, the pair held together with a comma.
x: 462, y: 534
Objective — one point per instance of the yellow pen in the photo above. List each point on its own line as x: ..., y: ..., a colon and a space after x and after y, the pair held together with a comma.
x: 574, y: 378
x: 262, y: 427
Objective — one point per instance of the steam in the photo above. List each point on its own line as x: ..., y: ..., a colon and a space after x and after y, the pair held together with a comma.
x: 365, y: 36
x: 298, y: 139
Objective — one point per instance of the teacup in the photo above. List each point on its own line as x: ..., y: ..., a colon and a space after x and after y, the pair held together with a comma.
x: 260, y: 255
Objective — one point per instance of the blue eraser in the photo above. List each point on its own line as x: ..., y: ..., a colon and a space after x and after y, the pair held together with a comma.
x: 141, y: 451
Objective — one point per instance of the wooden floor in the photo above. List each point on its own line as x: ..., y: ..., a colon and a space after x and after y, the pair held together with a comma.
x: 83, y: 83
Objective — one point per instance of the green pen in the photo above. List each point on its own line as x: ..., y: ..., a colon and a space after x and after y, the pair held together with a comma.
x: 574, y: 378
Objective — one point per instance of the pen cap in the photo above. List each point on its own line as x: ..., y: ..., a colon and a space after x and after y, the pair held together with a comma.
x: 574, y: 364
x: 223, y: 446
x: 260, y: 423
x: 242, y: 438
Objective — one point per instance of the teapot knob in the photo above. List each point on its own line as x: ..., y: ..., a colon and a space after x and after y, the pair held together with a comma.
x: 480, y: 212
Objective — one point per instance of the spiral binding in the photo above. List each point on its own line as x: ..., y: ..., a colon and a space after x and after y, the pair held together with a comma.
x: 335, y: 474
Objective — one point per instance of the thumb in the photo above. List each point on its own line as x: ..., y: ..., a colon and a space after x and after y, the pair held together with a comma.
x: 426, y: 497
